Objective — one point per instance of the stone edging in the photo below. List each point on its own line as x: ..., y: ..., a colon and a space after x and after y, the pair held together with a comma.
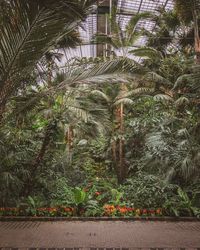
x: 166, y: 219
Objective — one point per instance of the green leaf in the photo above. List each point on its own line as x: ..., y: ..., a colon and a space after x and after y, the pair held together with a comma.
x: 79, y: 196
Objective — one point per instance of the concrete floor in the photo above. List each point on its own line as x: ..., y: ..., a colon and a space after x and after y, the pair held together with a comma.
x: 100, y: 234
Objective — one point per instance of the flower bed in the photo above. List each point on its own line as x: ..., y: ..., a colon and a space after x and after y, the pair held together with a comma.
x: 107, y: 211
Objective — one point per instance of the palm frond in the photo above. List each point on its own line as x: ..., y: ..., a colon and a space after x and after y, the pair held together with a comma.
x: 162, y: 97
x: 69, y: 40
x: 187, y: 80
x: 99, y: 93
x: 116, y: 70
x: 78, y: 112
x: 31, y: 28
x: 158, y: 79
x: 147, y: 52
x: 182, y: 101
x: 139, y: 92
x: 124, y: 100
x: 131, y: 26
x: 187, y: 167
x: 26, y: 104
x: 104, y: 39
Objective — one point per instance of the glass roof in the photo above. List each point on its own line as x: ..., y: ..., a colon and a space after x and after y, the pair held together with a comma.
x: 125, y: 9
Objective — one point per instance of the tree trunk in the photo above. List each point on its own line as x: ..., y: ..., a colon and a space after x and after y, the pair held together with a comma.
x: 69, y: 138
x: 5, y: 92
x: 38, y: 160
x: 196, y: 36
x: 2, y: 110
x: 122, y: 165
x: 121, y: 143
x: 49, y: 73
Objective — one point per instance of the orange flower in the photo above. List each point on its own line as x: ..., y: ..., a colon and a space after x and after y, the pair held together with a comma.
x: 159, y: 211
x: 123, y: 210
x: 109, y: 209
x: 67, y: 209
x: 53, y: 209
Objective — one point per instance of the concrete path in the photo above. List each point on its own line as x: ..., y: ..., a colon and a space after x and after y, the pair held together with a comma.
x: 99, y: 235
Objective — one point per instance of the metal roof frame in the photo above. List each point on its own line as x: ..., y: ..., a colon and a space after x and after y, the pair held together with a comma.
x: 125, y: 9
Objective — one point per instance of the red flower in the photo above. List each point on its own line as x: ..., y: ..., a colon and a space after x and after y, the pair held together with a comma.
x: 144, y: 211
x: 97, y: 193
x: 152, y: 212
x: 129, y: 209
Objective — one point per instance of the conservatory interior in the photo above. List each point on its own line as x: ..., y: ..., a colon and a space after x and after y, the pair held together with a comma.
x: 100, y: 108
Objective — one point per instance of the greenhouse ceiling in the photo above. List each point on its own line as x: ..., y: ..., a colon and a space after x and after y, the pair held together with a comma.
x: 125, y: 10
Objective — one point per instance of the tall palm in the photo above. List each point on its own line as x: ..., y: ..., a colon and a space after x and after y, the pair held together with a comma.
x: 116, y: 98
x: 28, y: 29
x: 166, y: 32
x: 189, y: 11
x: 58, y: 103
x: 122, y: 39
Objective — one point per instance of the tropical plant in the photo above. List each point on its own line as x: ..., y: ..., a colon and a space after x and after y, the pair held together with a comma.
x: 28, y: 29
x: 116, y: 98
x: 181, y: 205
x: 147, y: 191
x: 123, y: 40
x: 188, y: 12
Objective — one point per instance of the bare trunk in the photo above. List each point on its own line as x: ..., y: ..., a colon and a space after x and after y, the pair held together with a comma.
x: 2, y: 110
x: 49, y: 76
x: 38, y: 160
x: 114, y: 156
x: 196, y: 36
x: 121, y: 148
x: 115, y: 160
x: 5, y: 92
x: 69, y: 138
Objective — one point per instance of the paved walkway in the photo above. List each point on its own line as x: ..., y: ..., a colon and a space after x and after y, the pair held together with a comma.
x: 100, y: 234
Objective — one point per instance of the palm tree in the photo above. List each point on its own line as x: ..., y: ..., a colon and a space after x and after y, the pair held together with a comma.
x: 119, y: 38
x: 28, y: 29
x: 166, y: 32
x: 116, y: 98
x: 123, y: 40
x: 188, y: 11
x: 61, y: 103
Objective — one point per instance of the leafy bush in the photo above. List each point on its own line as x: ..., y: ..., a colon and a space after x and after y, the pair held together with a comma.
x: 147, y: 191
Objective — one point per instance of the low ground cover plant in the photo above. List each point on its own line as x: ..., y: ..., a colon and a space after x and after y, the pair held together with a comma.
x: 88, y: 202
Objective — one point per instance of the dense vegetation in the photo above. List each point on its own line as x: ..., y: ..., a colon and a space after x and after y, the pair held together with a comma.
x: 100, y: 136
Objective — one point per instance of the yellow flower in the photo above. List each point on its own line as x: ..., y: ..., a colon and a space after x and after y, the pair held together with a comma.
x: 137, y: 211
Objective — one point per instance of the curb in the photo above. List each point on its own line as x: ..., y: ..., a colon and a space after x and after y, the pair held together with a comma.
x: 164, y: 219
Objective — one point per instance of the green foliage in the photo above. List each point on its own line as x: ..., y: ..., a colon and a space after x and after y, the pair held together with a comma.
x: 147, y: 191
x: 63, y: 131
x: 79, y: 196
x: 181, y: 205
x: 38, y: 25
